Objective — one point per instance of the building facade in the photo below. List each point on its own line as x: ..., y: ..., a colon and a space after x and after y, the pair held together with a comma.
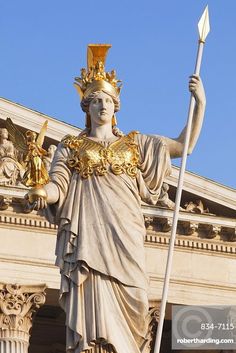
x: 203, y: 270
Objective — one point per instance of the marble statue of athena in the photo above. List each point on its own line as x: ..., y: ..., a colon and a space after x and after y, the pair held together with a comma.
x: 97, y: 183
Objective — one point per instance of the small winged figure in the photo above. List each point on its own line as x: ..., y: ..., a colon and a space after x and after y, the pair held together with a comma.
x: 30, y: 145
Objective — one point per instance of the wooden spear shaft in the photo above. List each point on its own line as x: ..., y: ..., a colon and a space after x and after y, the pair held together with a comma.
x: 204, y: 28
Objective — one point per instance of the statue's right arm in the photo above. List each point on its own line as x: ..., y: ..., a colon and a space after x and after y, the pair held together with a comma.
x: 52, y: 193
x: 51, y: 196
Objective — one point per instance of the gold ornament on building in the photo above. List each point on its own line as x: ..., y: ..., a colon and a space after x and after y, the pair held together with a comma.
x: 95, y: 78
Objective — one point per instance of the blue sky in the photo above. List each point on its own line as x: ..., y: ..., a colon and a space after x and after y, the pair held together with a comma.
x: 154, y: 44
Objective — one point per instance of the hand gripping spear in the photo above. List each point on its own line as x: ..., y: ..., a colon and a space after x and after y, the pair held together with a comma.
x: 203, y: 28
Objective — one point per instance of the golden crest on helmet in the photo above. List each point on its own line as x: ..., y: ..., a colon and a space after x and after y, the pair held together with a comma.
x: 95, y: 78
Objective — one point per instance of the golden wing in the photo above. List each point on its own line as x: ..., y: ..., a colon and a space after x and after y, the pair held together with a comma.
x: 16, y: 136
x: 42, y: 134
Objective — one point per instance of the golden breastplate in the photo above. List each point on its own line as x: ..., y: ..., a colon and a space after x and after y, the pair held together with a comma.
x: 89, y: 157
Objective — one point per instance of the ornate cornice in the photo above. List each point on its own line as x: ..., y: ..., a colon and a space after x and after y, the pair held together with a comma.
x: 200, y: 231
x: 26, y: 221
x: 201, y: 245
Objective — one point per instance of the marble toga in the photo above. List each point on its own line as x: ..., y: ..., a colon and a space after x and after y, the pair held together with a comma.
x: 100, y: 249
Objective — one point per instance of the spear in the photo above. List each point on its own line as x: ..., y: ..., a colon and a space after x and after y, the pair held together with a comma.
x: 203, y: 28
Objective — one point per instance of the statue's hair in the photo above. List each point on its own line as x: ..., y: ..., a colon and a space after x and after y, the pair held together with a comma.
x: 86, y: 101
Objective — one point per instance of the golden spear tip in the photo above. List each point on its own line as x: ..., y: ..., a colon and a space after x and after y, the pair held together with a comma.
x: 204, y: 26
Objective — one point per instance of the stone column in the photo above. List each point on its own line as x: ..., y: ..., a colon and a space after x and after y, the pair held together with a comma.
x: 18, y: 303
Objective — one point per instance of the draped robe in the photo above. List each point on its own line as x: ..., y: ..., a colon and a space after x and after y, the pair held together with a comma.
x: 100, y: 249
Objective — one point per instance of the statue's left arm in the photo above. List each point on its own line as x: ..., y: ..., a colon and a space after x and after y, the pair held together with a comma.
x: 176, y: 145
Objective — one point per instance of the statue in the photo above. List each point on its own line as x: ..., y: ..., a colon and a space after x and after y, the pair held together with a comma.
x: 10, y: 169
x: 196, y: 207
x: 36, y: 173
x: 49, y: 157
x: 97, y: 182
x: 30, y: 146
x: 164, y: 200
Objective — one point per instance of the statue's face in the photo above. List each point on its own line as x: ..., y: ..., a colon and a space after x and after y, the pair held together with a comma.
x: 4, y: 133
x: 101, y: 109
x: 31, y: 136
x: 51, y: 150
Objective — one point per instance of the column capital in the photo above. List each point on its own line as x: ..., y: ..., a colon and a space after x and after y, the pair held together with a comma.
x: 18, y: 303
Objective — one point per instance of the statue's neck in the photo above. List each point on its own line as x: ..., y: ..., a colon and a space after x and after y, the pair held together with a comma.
x: 101, y: 132
x: 2, y: 141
